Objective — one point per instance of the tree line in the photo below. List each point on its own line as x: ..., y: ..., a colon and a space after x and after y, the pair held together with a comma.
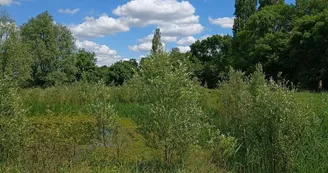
x: 41, y: 53
x: 289, y: 40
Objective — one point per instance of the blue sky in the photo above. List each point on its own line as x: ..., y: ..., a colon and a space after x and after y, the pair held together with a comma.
x: 122, y: 29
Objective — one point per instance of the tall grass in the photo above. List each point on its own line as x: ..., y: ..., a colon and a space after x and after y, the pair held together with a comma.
x: 277, y: 129
x: 64, y: 100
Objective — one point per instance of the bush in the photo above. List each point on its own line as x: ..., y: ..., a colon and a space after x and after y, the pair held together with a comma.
x: 105, y: 116
x: 265, y: 119
x: 12, y: 124
x: 173, y: 121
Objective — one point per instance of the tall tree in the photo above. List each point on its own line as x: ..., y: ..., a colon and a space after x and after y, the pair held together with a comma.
x: 14, y: 56
x: 264, y: 39
x: 157, y: 46
x: 243, y: 10
x: 51, y: 47
x: 308, y: 61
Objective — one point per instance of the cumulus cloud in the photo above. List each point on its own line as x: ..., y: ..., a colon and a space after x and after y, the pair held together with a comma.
x: 8, y: 2
x: 186, y: 40
x: 181, y: 30
x: 150, y: 12
x: 175, y: 18
x: 143, y: 47
x: 100, y: 27
x: 183, y: 49
x: 69, y: 11
x: 163, y: 38
x: 104, y: 55
x: 125, y: 59
x: 225, y: 22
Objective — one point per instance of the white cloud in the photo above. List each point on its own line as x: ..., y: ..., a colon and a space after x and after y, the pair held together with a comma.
x: 143, y: 47
x: 173, y: 17
x: 225, y: 22
x: 68, y: 11
x: 181, y: 29
x: 163, y: 38
x: 183, y: 49
x: 104, y: 55
x: 155, y: 10
x: 186, y: 40
x: 100, y: 27
x: 8, y: 2
x: 125, y: 59
x: 168, y: 39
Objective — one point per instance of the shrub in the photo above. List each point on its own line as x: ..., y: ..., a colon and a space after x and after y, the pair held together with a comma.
x: 265, y: 119
x: 173, y: 121
x: 105, y: 120
x: 12, y: 124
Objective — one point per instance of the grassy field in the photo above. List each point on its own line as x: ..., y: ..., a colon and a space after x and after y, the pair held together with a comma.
x: 69, y: 101
x: 62, y: 134
x: 56, y: 114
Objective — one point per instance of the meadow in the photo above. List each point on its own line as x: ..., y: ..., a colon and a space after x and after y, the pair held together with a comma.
x: 63, y: 144
x: 234, y: 103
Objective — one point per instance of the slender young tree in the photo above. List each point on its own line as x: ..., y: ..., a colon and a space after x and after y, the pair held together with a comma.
x: 174, y: 119
x: 14, y: 55
x: 157, y: 47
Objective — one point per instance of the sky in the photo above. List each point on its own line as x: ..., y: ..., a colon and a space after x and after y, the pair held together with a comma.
x: 122, y: 29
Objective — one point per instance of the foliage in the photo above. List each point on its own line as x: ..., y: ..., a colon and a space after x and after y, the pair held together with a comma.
x: 243, y: 10
x: 12, y: 124
x: 174, y: 119
x: 122, y: 71
x: 308, y: 63
x: 64, y: 100
x: 14, y: 58
x: 51, y: 46
x: 283, y: 37
x: 55, y: 141
x: 157, y: 46
x: 213, y: 54
x: 264, y: 3
x: 105, y: 116
x: 267, y: 38
x: 266, y: 121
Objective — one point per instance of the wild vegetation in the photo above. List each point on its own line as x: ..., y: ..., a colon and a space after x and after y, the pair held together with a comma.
x: 238, y: 103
